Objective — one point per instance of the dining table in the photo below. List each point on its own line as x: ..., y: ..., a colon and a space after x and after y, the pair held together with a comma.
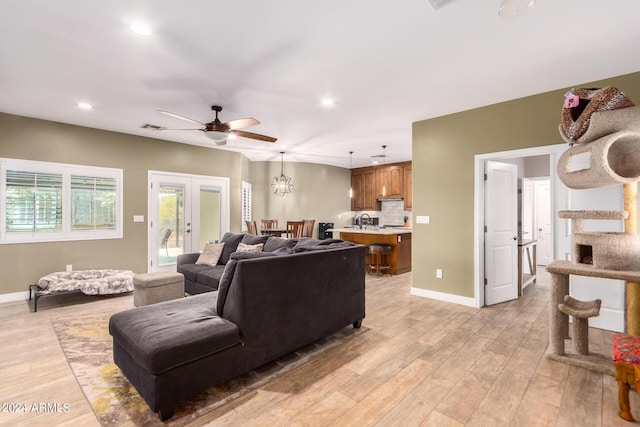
x: 276, y: 232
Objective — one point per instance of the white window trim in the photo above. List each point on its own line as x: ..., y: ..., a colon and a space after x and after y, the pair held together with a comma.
x: 66, y: 170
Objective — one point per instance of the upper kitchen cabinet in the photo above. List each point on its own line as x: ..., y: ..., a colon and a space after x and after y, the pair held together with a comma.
x: 363, y: 183
x: 408, y: 188
x: 395, y: 181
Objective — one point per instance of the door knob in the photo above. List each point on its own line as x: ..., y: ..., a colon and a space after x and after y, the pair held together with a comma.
x: 515, y: 237
x: 187, y: 231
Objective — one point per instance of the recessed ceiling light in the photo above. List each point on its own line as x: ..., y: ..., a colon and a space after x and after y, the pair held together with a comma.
x: 85, y: 106
x: 232, y: 136
x: 327, y: 102
x: 375, y: 162
x: 140, y: 28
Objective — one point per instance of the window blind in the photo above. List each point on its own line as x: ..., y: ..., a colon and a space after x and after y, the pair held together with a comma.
x: 33, y: 202
x: 93, y: 203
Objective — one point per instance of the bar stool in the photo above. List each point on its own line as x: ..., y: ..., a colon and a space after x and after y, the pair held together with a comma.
x: 380, y: 258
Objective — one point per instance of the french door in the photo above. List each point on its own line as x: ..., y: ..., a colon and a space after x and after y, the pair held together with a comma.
x: 185, y: 213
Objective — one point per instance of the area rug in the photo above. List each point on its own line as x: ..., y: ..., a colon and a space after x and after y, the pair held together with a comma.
x: 87, y: 346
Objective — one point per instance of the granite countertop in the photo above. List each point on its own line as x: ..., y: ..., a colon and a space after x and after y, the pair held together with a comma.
x: 374, y: 230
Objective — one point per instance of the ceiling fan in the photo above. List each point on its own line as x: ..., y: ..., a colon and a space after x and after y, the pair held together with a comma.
x: 217, y: 130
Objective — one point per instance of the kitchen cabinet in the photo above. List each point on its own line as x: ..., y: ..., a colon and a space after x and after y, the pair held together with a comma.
x: 407, y: 188
x: 363, y: 183
x: 390, y: 177
x: 368, y: 182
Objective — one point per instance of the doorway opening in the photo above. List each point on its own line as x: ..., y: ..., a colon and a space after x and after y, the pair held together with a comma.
x: 529, y: 221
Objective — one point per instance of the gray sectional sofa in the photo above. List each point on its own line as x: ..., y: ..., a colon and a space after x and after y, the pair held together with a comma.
x: 268, y: 304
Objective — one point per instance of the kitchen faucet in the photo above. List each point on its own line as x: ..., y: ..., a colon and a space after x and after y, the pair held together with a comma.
x: 362, y: 222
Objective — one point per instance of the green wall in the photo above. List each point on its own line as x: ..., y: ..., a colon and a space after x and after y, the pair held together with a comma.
x: 33, y: 139
x: 443, y: 175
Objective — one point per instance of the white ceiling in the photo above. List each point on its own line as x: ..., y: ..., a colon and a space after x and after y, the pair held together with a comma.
x: 386, y: 63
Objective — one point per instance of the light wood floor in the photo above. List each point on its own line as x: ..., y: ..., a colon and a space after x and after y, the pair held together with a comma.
x: 423, y: 362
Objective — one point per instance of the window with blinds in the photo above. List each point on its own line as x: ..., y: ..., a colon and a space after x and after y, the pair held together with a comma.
x: 33, y: 202
x: 93, y: 203
x: 42, y: 201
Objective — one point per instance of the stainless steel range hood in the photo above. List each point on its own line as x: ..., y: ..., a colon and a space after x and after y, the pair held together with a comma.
x: 389, y: 199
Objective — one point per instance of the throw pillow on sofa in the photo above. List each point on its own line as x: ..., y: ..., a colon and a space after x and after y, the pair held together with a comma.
x: 243, y: 247
x: 210, y: 254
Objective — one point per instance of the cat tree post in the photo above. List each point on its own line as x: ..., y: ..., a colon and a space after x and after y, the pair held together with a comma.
x: 632, y: 288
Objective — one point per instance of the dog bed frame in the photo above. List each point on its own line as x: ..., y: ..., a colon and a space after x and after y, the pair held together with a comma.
x: 88, y: 282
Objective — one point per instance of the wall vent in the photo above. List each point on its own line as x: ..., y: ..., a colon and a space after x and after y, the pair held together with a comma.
x: 437, y: 4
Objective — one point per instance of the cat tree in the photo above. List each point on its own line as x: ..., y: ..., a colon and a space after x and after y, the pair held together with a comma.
x: 611, y: 144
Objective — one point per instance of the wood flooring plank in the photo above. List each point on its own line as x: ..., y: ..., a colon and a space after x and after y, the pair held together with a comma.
x: 535, y: 413
x: 437, y: 419
x: 501, y: 401
x: 461, y: 401
x: 377, y: 403
x: 415, y: 407
x: 582, y: 399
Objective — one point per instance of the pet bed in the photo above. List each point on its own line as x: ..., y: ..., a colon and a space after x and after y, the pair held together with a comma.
x: 89, y: 282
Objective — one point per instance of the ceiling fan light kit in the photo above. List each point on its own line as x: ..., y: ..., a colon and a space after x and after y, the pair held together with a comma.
x: 219, y: 138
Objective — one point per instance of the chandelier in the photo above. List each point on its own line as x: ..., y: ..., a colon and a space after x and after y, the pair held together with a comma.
x: 282, y: 184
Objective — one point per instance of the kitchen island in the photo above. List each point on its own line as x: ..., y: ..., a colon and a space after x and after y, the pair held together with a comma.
x: 399, y: 238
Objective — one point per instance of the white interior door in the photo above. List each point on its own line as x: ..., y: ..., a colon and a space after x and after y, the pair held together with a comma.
x: 501, y: 233
x: 544, y: 247
x: 185, y: 213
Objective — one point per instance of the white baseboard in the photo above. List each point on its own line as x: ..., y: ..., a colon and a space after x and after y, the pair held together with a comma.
x: 16, y: 296
x: 441, y: 296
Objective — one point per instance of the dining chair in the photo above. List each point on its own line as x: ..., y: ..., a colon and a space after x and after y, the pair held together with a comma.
x: 252, y: 228
x: 294, y: 229
x: 268, y: 224
x: 307, y: 230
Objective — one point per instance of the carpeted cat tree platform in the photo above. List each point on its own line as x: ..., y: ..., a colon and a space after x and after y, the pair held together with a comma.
x: 603, y: 130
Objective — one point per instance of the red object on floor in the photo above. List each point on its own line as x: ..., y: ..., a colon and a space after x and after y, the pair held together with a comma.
x: 626, y: 358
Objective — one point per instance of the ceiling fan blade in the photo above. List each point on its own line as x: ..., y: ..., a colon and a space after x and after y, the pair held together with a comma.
x: 252, y: 135
x: 242, y: 123
x: 156, y: 127
x: 178, y: 116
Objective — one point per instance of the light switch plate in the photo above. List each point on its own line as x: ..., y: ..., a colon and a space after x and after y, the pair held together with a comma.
x: 138, y: 218
x: 423, y: 219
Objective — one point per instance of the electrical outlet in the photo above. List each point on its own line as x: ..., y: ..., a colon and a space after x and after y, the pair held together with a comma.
x: 439, y: 273
x: 69, y: 267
